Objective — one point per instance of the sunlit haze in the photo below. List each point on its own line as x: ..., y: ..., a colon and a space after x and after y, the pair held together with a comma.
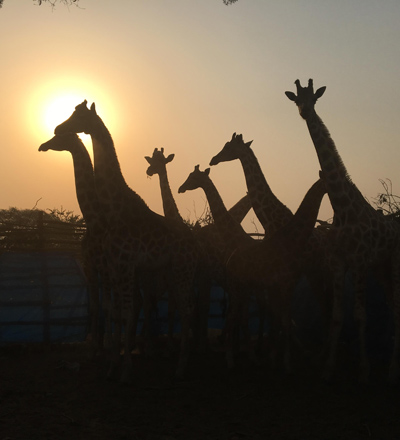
x: 185, y: 75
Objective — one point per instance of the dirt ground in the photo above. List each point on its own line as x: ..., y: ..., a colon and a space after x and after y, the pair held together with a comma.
x: 58, y: 393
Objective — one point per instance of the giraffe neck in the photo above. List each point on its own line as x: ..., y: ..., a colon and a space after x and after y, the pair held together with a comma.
x: 240, y: 209
x: 270, y: 211
x: 300, y: 228
x: 345, y: 197
x: 85, y: 188
x: 230, y: 230
x: 118, y: 201
x: 169, y: 204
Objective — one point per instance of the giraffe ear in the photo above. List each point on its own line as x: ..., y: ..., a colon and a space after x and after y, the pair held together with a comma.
x: 291, y: 96
x: 319, y: 92
x: 169, y: 158
x: 148, y: 159
x: 93, y: 108
x: 207, y: 171
x: 248, y: 143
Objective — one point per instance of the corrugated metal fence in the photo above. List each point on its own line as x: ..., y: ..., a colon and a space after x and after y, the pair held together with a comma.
x: 42, y: 286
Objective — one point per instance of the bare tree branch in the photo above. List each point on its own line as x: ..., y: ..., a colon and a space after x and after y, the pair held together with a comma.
x: 387, y: 202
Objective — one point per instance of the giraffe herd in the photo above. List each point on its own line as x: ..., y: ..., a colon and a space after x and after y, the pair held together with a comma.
x: 138, y: 254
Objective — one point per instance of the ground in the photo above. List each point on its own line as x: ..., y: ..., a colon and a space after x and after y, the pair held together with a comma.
x: 56, y: 392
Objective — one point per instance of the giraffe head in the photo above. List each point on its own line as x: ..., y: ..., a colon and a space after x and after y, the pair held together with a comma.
x: 305, y: 98
x: 81, y: 120
x: 195, y: 180
x: 62, y: 142
x: 157, y: 162
x: 232, y: 150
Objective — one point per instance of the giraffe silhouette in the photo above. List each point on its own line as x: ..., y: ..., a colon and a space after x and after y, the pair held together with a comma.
x: 274, y: 264
x: 137, y: 239
x: 232, y: 234
x: 273, y: 214
x: 210, y: 268
x: 95, y: 267
x: 361, y: 236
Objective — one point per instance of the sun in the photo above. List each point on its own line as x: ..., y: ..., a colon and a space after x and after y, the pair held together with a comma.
x: 52, y: 102
x: 58, y: 109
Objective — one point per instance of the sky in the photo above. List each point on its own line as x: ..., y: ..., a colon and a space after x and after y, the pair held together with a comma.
x: 185, y: 75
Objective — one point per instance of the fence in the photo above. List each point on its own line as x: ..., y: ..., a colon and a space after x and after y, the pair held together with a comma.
x: 43, y: 294
x: 42, y: 286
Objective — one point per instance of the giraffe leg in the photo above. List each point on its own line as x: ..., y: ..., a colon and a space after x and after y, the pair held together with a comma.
x: 336, y: 322
x: 261, y: 301
x: 128, y: 319
x: 394, y: 369
x: 149, y: 303
x: 94, y: 314
x: 230, y: 323
x: 360, y: 316
x: 184, y: 300
x: 172, y: 307
x: 116, y: 342
x: 202, y: 311
x: 94, y: 306
x: 137, y: 306
x: 107, y: 310
x: 244, y: 325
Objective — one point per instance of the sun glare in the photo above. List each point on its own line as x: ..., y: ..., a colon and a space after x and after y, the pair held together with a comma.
x: 52, y: 103
x: 59, y: 109
x: 56, y: 109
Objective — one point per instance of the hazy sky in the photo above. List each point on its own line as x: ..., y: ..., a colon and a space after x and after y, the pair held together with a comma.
x: 185, y: 75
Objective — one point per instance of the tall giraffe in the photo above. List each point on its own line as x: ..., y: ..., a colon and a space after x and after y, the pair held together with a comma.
x: 362, y: 237
x: 137, y: 239
x: 274, y: 264
x: 94, y: 261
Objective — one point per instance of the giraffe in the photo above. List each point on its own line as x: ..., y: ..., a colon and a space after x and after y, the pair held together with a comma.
x: 93, y: 258
x: 208, y: 239
x: 231, y: 233
x: 137, y: 239
x: 362, y: 237
x: 273, y: 214
x: 274, y: 264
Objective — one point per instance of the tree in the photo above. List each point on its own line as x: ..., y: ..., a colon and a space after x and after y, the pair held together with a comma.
x: 229, y: 2
x: 52, y: 2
